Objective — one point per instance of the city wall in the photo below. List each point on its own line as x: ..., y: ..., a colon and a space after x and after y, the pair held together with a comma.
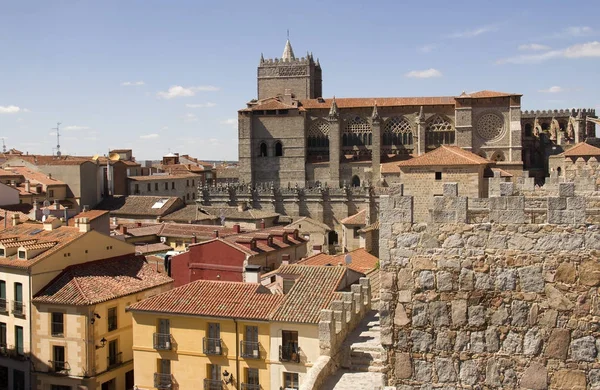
x: 497, y: 301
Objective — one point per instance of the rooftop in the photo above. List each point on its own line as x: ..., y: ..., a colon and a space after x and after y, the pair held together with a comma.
x: 445, y: 155
x: 233, y: 213
x: 582, y: 149
x: 189, y: 213
x: 359, y: 218
x: 139, y: 205
x: 100, y: 281
x: 362, y: 261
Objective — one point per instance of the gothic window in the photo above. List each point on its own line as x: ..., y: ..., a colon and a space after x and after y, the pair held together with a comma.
x: 498, y: 156
x: 490, y: 126
x: 359, y: 131
x: 263, y: 149
x: 318, y: 138
x: 397, y: 131
x: 278, y: 149
x: 439, y: 132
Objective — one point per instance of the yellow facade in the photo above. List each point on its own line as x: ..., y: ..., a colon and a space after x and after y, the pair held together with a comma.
x: 189, y: 364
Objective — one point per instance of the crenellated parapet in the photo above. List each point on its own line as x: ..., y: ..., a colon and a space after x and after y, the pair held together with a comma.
x: 557, y: 112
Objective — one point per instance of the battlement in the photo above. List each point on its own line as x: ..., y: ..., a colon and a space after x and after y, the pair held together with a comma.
x: 288, y: 61
x: 561, y: 112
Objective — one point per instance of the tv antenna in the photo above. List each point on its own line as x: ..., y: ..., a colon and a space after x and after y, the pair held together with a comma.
x: 3, y: 146
x: 57, y: 138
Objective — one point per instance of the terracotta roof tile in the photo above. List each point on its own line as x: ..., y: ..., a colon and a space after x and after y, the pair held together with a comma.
x: 272, y: 104
x: 381, y: 102
x: 189, y: 230
x: 372, y: 227
x: 582, y: 149
x: 214, y: 299
x: 34, y: 176
x: 445, y: 155
x: 139, y: 205
x: 164, y: 177
x: 152, y: 248
x: 189, y: 213
x: 362, y: 261
x: 100, y: 281
x: 489, y: 94
x: 233, y: 213
x: 359, y: 218
x: 91, y: 214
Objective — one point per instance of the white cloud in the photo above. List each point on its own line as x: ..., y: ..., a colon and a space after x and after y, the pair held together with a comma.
x: 424, y: 74
x: 201, y: 105
x: 190, y: 117
x: 578, y: 31
x: 580, y: 50
x: 534, y: 47
x: 149, y: 136
x: 132, y: 83
x: 553, y: 89
x: 474, y: 32
x: 75, y: 128
x: 230, y: 122
x: 52, y: 133
x: 11, y: 109
x: 179, y: 91
x: 427, y: 48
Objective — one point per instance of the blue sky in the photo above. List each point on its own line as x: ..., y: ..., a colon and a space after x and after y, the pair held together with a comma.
x: 170, y: 75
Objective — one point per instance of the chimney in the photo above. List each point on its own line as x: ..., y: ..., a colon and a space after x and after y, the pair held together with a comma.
x: 123, y: 229
x: 36, y: 207
x: 84, y: 225
x: 139, y: 224
x: 194, y: 239
x: 317, y: 249
x: 215, y: 233
x: 13, y: 183
x: 56, y: 204
x: 285, y: 259
x: 252, y: 273
x: 242, y: 206
x: 49, y: 176
x: 86, y: 208
x: 15, y: 219
x: 27, y: 186
x: 236, y: 228
x: 262, y: 223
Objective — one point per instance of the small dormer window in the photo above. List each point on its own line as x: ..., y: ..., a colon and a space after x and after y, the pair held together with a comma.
x: 2, y: 252
x: 22, y: 254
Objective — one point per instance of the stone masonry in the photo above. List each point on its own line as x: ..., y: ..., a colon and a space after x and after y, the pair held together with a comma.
x: 502, y: 304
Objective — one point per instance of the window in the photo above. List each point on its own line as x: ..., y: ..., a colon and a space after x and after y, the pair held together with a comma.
x: 136, y: 189
x: 19, y: 340
x: 112, y: 319
x: 252, y: 377
x: 193, y: 183
x: 51, y: 193
x: 213, y: 380
x: 3, y: 296
x: 22, y: 255
x: 187, y: 196
x: 356, y: 232
x: 110, y: 385
x: 278, y: 149
x: 114, y: 356
x: 2, y: 253
x: 155, y: 186
x: 18, y: 303
x: 212, y: 343
x: 263, y: 149
x: 290, y: 380
x: 129, y: 380
x: 2, y: 335
x: 289, y: 346
x: 3, y: 377
x: 438, y: 176
x: 250, y: 347
x: 187, y: 183
x: 18, y: 380
x: 162, y: 337
x: 172, y: 185
x: 166, y: 185
x: 149, y: 187
x: 58, y: 324
x: 58, y: 358
x: 439, y: 132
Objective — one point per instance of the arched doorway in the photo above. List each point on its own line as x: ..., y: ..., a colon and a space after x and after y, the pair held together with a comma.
x: 355, y: 181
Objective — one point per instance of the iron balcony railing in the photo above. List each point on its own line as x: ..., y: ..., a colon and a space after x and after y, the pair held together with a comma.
x: 163, y: 381
x: 213, y: 384
x: 114, y: 360
x: 289, y: 353
x: 250, y: 349
x: 211, y: 346
x: 59, y: 367
x: 18, y: 308
x: 250, y: 386
x: 162, y: 341
x: 3, y: 308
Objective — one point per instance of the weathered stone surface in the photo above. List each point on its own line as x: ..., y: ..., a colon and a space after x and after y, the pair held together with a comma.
x: 454, y: 241
x: 469, y: 372
x: 423, y: 371
x: 512, y: 343
x: 506, y: 279
x: 557, y: 300
x: 387, y: 280
x: 568, y: 380
x: 493, y: 376
x: 426, y: 280
x: 531, y: 278
x: 404, y: 280
x: 444, y: 281
x: 532, y: 343
x: 438, y: 313
x: 462, y: 340
x: 500, y: 316
x: 403, y: 366
x: 548, y: 319
x: 594, y: 379
x: 558, y: 344
x: 492, y: 341
x: 404, y: 296
x: 477, y: 342
x: 402, y: 340
x: 466, y: 279
x: 476, y: 316
x: 584, y: 349
x: 420, y: 314
x: 535, y: 377
x: 407, y: 240
x: 589, y: 273
x: 445, y: 370
x: 565, y: 273
x: 520, y: 312
x: 443, y: 342
x: 483, y: 281
x: 400, y: 317
x: 421, y: 341
x: 459, y: 312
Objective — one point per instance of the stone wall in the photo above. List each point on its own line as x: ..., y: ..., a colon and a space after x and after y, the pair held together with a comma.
x: 490, y: 305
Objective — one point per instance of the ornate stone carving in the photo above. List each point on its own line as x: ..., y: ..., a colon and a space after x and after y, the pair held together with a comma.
x: 490, y: 126
x: 292, y: 71
x: 398, y: 131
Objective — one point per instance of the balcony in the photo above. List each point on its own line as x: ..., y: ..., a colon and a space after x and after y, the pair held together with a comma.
x: 250, y: 349
x: 59, y: 367
x: 163, y: 381
x: 211, y: 346
x: 3, y: 306
x: 162, y: 341
x: 213, y: 384
x: 18, y: 309
x: 289, y: 353
x: 114, y: 360
x: 249, y: 386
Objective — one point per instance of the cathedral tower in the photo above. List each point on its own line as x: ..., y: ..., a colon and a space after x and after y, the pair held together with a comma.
x: 300, y: 75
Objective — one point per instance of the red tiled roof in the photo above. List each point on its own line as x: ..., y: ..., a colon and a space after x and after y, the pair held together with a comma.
x: 189, y: 213
x: 152, y: 248
x: 100, y: 281
x: 138, y: 205
x: 214, y: 299
x: 359, y: 218
x: 487, y: 94
x: 34, y: 176
x: 190, y: 230
x: 362, y: 261
x: 381, y: 102
x: 272, y: 104
x: 91, y: 214
x: 165, y: 177
x: 445, y: 155
x: 582, y: 149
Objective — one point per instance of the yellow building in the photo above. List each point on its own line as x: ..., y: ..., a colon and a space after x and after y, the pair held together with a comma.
x: 31, y: 255
x: 204, y: 335
x: 83, y: 335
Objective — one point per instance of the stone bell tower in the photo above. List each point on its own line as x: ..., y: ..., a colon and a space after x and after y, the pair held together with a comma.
x: 301, y: 75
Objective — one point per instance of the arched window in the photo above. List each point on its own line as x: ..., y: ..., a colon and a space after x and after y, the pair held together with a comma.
x: 439, y: 131
x: 263, y: 149
x: 498, y: 156
x: 344, y: 140
x: 318, y: 132
x: 397, y: 131
x: 528, y: 130
x: 358, y: 130
x: 278, y: 149
x: 355, y: 181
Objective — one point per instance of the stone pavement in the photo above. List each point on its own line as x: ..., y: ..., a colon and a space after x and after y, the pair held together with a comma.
x: 364, y: 368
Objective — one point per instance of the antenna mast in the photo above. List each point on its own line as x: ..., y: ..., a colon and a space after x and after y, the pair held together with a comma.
x: 57, y: 138
x: 3, y: 146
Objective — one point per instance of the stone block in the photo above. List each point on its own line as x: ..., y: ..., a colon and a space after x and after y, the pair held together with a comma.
x: 387, y: 279
x: 483, y: 281
x: 508, y: 216
x: 584, y: 349
x: 506, y: 279
x: 400, y: 317
x: 589, y: 273
x: 427, y: 280
x: 469, y: 372
x: 499, y: 316
x: 557, y: 203
x: 566, y: 189
x: 568, y: 380
x: 438, y: 314
x: 492, y: 341
x: 520, y: 312
x: 466, y: 280
x: 594, y: 379
x: 532, y: 343
x: 444, y: 281
x: 404, y: 296
x: 576, y: 203
x: 403, y: 366
x: 507, y: 188
x: 476, y: 316
x: 498, y: 203
x: 477, y: 342
x: 531, y: 279
x: 535, y: 377
x: 454, y: 241
x: 459, y: 313
x: 421, y: 341
x: 515, y: 203
x: 558, y: 344
x: 423, y: 370
x: 445, y: 370
x: 407, y: 240
x: 420, y: 314
x: 462, y: 341
x: 512, y: 343
x: 450, y: 189
x: 443, y: 342
x: 565, y: 273
x: 557, y: 300
x: 493, y: 375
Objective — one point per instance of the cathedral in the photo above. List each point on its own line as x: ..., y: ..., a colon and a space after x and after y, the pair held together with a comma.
x: 291, y: 136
